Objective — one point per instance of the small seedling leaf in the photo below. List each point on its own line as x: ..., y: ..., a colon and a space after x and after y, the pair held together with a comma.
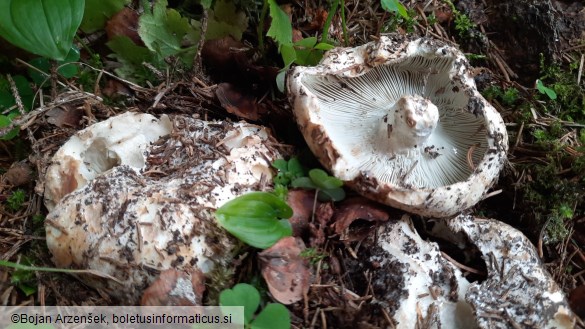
x: 324, y: 46
x: 280, y: 28
x: 545, y: 90
x: 289, y: 55
x: 306, y: 42
x: 280, y: 164
x: 394, y: 6
x: 336, y: 194
x: 295, y: 167
x: 255, y: 219
x: 273, y: 316
x: 242, y: 294
x: 280, y: 78
x: 42, y: 27
x: 323, y: 181
x: 303, y: 182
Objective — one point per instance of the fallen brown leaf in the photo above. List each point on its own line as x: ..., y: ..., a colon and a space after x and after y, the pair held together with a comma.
x: 239, y: 103
x: 286, y: 273
x: 353, y: 209
x: 20, y: 173
x: 323, y: 215
x: 228, y: 59
x: 124, y: 23
x: 65, y: 116
x: 301, y: 202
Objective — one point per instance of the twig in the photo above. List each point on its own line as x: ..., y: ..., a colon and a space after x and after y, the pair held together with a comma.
x: 197, y: 62
x: 580, y: 69
x: 461, y: 266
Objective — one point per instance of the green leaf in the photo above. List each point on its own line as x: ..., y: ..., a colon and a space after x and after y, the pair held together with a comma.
x: 288, y: 53
x: 303, y: 182
x: 225, y: 20
x: 324, y: 46
x: 206, y: 3
x: 5, y: 121
x: 42, y: 27
x: 280, y: 164
x: 273, y: 316
x: 545, y: 90
x: 394, y: 6
x: 280, y: 77
x: 164, y: 32
x: 255, y: 219
x: 306, y: 42
x: 131, y: 57
x: 323, y: 180
x: 280, y: 28
x: 336, y: 194
x: 242, y: 294
x: 26, y: 93
x: 97, y: 13
x: 295, y: 168
x: 66, y: 68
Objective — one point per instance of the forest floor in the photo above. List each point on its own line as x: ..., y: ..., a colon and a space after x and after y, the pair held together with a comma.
x: 524, y: 53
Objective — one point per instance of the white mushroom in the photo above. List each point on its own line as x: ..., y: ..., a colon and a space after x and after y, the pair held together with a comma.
x: 419, y: 288
x: 518, y: 291
x: 120, y: 140
x: 414, y: 283
x: 131, y: 224
x: 401, y: 122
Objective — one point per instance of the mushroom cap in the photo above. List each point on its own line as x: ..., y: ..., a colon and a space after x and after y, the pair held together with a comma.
x: 369, y: 114
x: 518, y: 286
x: 120, y: 140
x: 131, y: 224
x: 410, y: 273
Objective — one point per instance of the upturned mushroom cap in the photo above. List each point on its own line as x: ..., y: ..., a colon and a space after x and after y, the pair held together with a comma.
x: 418, y: 287
x: 401, y: 122
x: 131, y: 224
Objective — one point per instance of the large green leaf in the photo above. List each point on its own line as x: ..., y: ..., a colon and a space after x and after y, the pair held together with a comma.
x: 166, y: 33
x: 42, y: 27
x: 226, y: 20
x: 280, y: 28
x: 256, y: 218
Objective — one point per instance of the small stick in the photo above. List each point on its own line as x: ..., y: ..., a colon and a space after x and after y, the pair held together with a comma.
x: 580, y: 69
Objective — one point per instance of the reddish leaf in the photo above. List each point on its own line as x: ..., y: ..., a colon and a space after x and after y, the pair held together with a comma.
x: 125, y: 22
x: 323, y: 215
x: 20, y: 173
x: 301, y: 202
x: 65, y: 116
x: 353, y: 209
x: 115, y: 88
x: 238, y: 103
x: 175, y: 288
x: 285, y: 271
x: 230, y: 60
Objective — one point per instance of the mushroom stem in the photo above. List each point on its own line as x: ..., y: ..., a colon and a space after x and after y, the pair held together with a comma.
x: 408, y: 123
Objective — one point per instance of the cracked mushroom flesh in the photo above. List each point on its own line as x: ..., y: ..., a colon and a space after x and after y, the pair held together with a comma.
x: 401, y: 122
x: 131, y: 222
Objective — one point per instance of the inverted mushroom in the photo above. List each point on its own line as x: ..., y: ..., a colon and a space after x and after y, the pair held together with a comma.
x: 131, y: 223
x: 401, y: 122
x: 419, y: 288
